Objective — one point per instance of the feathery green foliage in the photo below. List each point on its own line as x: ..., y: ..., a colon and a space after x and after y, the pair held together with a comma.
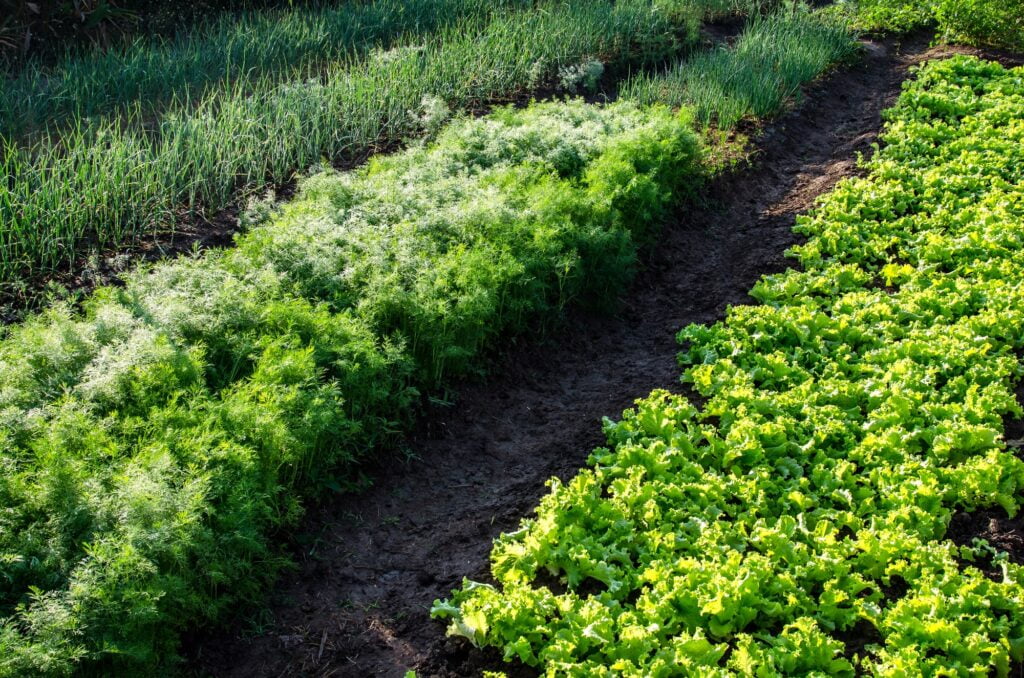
x: 150, y: 448
x: 845, y: 419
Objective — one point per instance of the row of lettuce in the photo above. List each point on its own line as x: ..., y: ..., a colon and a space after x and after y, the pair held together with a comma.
x: 795, y: 523
x: 156, y: 443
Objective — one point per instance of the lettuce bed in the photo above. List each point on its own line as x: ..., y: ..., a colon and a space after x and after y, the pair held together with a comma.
x: 795, y: 523
x: 151, y: 447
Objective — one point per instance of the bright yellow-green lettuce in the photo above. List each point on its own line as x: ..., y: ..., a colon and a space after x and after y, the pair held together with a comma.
x: 795, y: 523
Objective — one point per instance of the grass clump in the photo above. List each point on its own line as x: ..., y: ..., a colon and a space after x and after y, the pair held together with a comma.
x: 772, y: 58
x: 154, y: 445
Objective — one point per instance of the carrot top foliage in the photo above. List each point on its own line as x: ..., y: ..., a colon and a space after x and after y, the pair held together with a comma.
x: 151, y: 447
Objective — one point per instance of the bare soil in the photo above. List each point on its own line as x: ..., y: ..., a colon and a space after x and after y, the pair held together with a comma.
x: 370, y: 565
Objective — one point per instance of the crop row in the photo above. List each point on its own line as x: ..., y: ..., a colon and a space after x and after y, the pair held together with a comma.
x: 995, y: 23
x: 776, y: 54
x: 151, y: 447
x: 250, y: 50
x: 103, y: 183
x: 795, y: 523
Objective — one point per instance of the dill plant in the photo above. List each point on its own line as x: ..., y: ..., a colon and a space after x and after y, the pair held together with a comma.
x: 154, y: 445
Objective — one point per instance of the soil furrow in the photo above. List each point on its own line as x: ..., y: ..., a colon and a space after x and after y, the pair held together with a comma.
x: 370, y: 565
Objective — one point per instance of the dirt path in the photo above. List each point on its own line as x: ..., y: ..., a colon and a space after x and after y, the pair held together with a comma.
x: 373, y: 564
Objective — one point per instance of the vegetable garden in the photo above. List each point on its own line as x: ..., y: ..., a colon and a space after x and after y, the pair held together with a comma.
x: 788, y: 514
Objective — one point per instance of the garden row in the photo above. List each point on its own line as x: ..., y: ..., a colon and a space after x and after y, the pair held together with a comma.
x: 153, y: 445
x: 776, y: 54
x: 996, y: 23
x: 100, y: 183
x: 246, y: 51
x: 252, y: 50
x: 795, y: 522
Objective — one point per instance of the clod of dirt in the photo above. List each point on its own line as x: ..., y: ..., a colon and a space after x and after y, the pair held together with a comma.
x: 1001, y: 532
